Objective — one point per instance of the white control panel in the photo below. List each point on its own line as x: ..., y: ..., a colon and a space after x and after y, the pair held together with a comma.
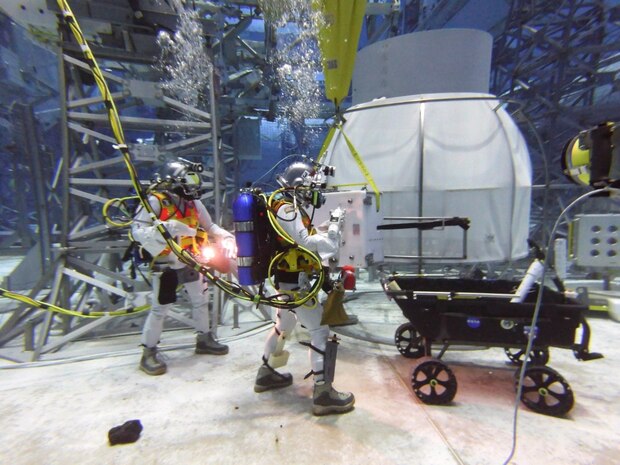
x: 361, y: 243
x: 596, y: 240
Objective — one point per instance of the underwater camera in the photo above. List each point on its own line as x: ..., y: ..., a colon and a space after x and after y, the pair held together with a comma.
x: 592, y: 157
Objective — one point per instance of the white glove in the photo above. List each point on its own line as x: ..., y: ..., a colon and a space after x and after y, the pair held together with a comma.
x: 337, y: 215
x: 176, y: 228
x: 335, y: 223
x: 230, y: 246
x: 333, y: 231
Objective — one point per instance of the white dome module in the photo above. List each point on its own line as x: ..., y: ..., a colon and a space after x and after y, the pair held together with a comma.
x: 436, y: 157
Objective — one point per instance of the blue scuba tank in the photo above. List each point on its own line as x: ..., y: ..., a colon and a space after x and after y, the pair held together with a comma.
x: 244, y: 209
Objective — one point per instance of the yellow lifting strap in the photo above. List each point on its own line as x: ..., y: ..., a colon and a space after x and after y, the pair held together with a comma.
x: 356, y: 157
x: 326, y: 142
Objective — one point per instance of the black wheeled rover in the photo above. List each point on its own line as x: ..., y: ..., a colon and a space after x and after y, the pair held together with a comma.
x: 450, y: 311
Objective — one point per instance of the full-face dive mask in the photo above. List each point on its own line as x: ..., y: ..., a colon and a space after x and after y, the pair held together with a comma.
x: 180, y: 177
x: 307, y: 180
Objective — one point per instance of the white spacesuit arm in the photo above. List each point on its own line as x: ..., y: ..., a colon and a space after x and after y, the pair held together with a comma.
x: 145, y: 232
x: 291, y: 222
x: 206, y: 223
x: 225, y: 238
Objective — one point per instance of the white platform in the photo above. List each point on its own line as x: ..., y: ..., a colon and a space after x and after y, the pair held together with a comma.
x: 204, y: 410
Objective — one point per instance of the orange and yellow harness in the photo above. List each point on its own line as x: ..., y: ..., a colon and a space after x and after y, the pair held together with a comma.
x: 189, y: 216
x: 294, y: 260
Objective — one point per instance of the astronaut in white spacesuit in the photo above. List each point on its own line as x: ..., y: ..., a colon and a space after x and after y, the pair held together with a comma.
x: 292, y: 276
x: 174, y: 198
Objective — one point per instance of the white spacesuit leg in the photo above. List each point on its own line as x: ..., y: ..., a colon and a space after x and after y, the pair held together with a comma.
x: 310, y: 318
x: 285, y: 324
x: 326, y: 399
x: 151, y: 363
x: 197, y: 292
x: 274, y: 356
x: 154, y: 324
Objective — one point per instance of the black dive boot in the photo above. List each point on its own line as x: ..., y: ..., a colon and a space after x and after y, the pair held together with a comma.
x: 326, y: 400
x: 268, y: 378
x: 206, y: 344
x: 151, y: 363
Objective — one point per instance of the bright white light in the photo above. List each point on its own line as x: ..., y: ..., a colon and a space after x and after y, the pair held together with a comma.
x: 207, y: 253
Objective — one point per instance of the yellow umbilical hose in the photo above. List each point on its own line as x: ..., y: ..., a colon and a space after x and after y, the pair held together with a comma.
x: 184, y: 256
x: 121, y: 205
x: 314, y: 290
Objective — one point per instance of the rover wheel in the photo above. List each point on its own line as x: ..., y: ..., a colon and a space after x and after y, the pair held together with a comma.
x: 434, y: 383
x: 409, y: 341
x: 546, y: 391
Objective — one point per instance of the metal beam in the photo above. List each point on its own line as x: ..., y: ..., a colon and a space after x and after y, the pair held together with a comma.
x: 553, y: 58
x: 144, y: 124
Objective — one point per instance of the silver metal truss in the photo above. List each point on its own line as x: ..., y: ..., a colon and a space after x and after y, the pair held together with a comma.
x: 559, y: 61
x: 78, y: 262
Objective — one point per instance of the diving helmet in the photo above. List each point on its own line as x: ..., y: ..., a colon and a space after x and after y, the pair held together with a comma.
x: 305, y: 182
x: 180, y: 177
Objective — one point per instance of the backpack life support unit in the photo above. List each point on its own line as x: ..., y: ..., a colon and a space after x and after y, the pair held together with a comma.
x: 257, y: 241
